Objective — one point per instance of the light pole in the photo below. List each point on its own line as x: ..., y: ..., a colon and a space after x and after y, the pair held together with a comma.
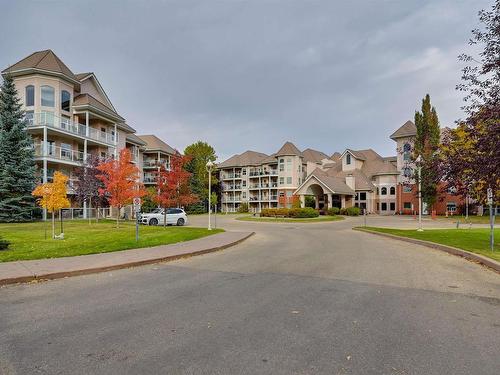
x: 419, y: 167
x: 209, y: 167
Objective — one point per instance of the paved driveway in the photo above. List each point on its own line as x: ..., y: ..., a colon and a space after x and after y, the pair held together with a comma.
x: 293, y: 299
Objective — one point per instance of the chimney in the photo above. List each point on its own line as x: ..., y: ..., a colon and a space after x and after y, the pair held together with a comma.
x: 350, y: 181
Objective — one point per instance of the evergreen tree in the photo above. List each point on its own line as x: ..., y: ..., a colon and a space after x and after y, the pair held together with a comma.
x: 17, y: 173
x: 427, y: 146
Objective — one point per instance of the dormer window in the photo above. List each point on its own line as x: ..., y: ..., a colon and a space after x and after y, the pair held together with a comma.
x: 30, y: 96
x: 348, y: 159
x: 47, y: 96
x: 65, y: 100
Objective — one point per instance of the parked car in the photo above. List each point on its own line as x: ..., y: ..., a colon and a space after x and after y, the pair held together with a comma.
x: 175, y: 216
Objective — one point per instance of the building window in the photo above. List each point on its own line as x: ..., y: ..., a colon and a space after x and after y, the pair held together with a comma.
x: 407, y: 189
x: 348, y: 159
x: 244, y: 183
x: 65, y: 100
x: 30, y: 96
x: 65, y: 122
x: 244, y: 195
x: 451, y: 207
x: 47, y: 95
x: 384, y: 191
x: 282, y: 180
x: 407, y: 205
x: 393, y: 206
x: 393, y: 190
x: 282, y: 167
x: 407, y: 172
x: 66, y: 150
x: 362, y: 196
x: 244, y: 171
x: 289, y: 164
x: 406, y: 152
x: 384, y: 206
x: 289, y: 180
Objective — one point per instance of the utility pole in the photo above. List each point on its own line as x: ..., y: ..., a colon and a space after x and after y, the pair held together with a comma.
x: 419, y: 167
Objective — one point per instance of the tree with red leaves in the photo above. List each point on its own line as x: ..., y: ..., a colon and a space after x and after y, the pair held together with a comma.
x: 121, y: 182
x: 172, y: 186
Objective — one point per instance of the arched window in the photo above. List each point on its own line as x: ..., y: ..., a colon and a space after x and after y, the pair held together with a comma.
x: 65, y: 100
x: 348, y: 159
x: 384, y: 191
x: 393, y: 190
x: 406, y: 151
x: 30, y: 96
x: 47, y: 96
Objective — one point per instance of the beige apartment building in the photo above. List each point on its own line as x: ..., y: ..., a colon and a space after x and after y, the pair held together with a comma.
x: 70, y: 116
x: 359, y: 178
x: 155, y: 154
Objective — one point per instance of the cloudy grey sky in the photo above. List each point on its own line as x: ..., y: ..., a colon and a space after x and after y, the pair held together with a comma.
x: 252, y: 74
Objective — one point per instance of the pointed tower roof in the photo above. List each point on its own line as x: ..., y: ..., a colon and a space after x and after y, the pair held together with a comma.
x: 43, y: 61
x: 408, y: 129
x: 289, y: 149
x: 314, y: 155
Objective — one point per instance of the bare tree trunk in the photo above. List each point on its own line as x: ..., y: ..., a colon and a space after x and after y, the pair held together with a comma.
x: 53, y: 225
x: 90, y: 214
x: 118, y: 217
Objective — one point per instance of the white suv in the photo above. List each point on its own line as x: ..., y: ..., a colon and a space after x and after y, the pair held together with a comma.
x: 175, y: 216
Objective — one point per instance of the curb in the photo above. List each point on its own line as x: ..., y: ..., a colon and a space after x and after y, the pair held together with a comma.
x: 477, y: 258
x: 87, y: 271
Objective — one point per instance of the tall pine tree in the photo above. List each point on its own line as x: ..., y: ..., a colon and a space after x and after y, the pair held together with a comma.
x: 427, y: 146
x: 17, y: 173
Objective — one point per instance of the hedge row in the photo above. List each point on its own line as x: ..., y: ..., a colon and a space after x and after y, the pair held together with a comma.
x: 289, y: 212
x: 350, y: 211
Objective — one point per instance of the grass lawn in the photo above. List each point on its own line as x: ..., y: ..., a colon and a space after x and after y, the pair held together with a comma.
x: 473, y: 240
x: 28, y: 239
x: 473, y: 219
x: 290, y: 220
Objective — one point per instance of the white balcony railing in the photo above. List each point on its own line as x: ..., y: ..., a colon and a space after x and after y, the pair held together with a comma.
x: 65, y: 124
x: 57, y: 152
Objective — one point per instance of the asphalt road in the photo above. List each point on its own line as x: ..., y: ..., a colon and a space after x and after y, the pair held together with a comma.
x: 293, y: 299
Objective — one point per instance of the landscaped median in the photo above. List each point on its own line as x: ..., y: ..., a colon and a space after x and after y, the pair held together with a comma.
x: 472, y: 244
x: 107, y: 260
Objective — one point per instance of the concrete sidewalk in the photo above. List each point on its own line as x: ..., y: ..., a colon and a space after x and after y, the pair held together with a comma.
x: 28, y: 270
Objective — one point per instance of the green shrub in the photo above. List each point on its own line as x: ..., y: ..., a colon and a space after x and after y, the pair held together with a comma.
x: 303, y: 212
x: 343, y: 211
x: 4, y: 244
x: 333, y: 211
x: 309, y: 201
x: 353, y: 211
x: 243, y: 208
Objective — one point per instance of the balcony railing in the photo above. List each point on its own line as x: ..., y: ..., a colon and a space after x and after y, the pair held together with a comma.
x: 57, y: 152
x: 149, y: 179
x: 271, y: 172
x: 153, y: 163
x: 65, y: 124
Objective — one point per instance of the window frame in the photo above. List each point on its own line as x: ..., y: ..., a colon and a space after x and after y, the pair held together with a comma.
x: 64, y: 101
x: 26, y: 96
x: 52, y: 91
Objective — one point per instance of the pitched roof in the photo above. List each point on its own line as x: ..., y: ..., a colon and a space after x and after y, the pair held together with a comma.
x: 336, y: 156
x: 335, y: 183
x: 153, y: 143
x: 240, y: 160
x: 289, y: 149
x: 81, y: 76
x: 314, y: 155
x: 408, y: 129
x: 87, y: 99
x: 45, y: 60
x: 135, y: 139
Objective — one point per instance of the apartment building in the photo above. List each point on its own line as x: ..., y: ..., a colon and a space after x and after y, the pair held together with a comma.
x: 360, y: 178
x: 70, y: 116
x: 261, y: 180
x: 155, y: 154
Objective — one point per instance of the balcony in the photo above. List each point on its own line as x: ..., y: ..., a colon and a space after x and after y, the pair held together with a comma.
x: 149, y: 179
x: 66, y: 125
x: 153, y: 163
x: 270, y: 172
x: 59, y: 153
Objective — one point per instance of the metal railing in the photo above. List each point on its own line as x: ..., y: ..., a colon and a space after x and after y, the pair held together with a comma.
x: 271, y: 172
x: 62, y: 123
x: 58, y: 152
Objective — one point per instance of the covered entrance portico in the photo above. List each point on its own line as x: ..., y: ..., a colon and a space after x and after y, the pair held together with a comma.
x: 328, y: 192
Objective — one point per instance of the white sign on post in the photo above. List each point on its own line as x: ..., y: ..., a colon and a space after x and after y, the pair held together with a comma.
x: 137, y: 204
x: 490, y: 195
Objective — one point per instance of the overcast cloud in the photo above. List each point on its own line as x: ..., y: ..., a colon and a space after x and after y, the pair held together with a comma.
x: 253, y: 74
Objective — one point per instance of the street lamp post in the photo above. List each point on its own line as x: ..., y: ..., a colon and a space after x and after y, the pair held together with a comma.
x: 419, y: 167
x: 209, y: 167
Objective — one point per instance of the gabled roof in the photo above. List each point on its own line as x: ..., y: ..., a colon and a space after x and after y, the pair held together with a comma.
x: 91, y: 75
x: 132, y: 138
x: 357, y: 154
x: 334, y: 184
x: 335, y: 156
x: 314, y: 155
x: 408, y: 129
x: 153, y: 143
x: 89, y: 100
x: 289, y: 149
x: 43, y: 61
x: 241, y: 160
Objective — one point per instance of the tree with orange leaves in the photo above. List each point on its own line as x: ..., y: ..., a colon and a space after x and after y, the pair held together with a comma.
x: 121, y: 181
x: 53, y: 196
x: 172, y: 186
